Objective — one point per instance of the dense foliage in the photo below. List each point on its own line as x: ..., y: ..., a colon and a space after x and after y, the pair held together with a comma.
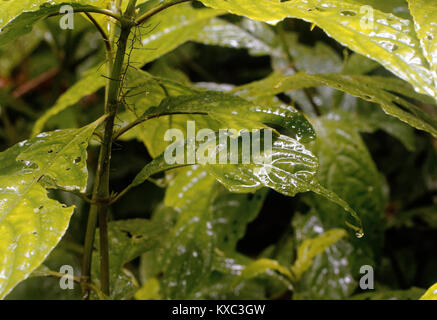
x: 348, y: 88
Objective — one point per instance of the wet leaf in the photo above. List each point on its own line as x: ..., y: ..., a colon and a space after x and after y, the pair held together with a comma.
x: 31, y: 224
x: 263, y: 265
x: 376, y: 90
x: 331, y: 275
x: 424, y: 13
x: 391, y: 40
x: 347, y: 168
x: 189, y: 255
x: 17, y: 17
x: 310, y: 248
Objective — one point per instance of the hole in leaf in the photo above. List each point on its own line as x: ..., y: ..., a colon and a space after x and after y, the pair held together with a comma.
x: 77, y: 160
x: 348, y: 13
x: 50, y: 151
x: 68, y: 169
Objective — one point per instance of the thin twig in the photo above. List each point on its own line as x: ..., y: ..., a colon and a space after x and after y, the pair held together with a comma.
x: 290, y: 58
x: 101, y: 31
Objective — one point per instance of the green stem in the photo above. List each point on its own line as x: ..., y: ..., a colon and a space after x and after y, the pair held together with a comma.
x: 286, y: 50
x: 101, y: 193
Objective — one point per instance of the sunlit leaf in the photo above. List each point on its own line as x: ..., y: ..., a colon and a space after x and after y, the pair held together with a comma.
x: 364, y: 87
x: 424, y: 13
x: 31, y: 224
x: 310, y: 248
x: 431, y: 294
x: 391, y: 40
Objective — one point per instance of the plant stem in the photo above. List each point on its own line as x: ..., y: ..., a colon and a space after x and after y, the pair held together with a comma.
x: 286, y: 50
x: 101, y: 193
x: 92, y: 10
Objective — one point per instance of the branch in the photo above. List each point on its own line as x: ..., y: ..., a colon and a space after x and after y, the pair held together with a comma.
x: 35, y: 82
x: 106, y: 12
x: 148, y: 117
x: 286, y: 50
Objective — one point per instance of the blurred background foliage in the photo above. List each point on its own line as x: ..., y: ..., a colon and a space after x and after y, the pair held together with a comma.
x: 37, y: 68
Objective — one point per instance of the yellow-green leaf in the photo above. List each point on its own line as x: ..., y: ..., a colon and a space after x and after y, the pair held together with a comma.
x: 31, y: 224
x: 430, y: 294
x: 312, y: 247
x: 424, y: 13
x: 379, y: 35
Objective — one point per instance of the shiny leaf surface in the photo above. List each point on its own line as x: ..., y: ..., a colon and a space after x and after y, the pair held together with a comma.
x: 31, y: 224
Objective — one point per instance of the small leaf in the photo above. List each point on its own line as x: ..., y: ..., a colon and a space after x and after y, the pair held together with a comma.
x: 310, y: 248
x: 262, y: 266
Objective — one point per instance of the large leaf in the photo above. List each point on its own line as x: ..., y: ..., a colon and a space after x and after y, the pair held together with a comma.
x: 347, y: 168
x: 31, y: 224
x: 392, y: 41
x: 225, y: 108
x: 372, y: 89
x: 89, y: 83
x: 225, y: 225
x: 190, y: 251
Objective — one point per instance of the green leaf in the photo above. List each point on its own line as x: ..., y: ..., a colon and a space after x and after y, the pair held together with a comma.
x: 392, y: 41
x: 263, y: 265
x: 430, y: 294
x: 292, y: 170
x: 424, y: 13
x: 372, y: 89
x: 190, y: 251
x: 149, y: 290
x: 90, y: 82
x: 409, y: 294
x: 31, y: 224
x: 128, y: 239
x: 310, y: 248
x: 232, y: 213
x: 347, y: 168
x: 225, y: 108
x: 219, y: 32
x: 169, y: 29
x: 17, y: 17
x: 331, y: 275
